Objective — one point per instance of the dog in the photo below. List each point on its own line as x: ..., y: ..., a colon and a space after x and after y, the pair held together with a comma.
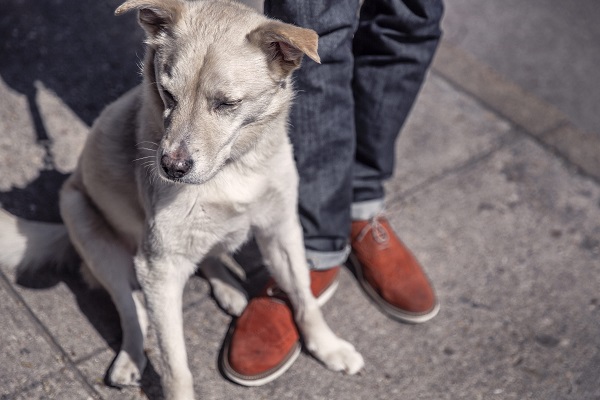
x: 181, y: 171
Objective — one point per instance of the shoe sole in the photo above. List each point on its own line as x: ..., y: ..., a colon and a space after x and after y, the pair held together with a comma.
x: 276, y: 372
x: 328, y: 293
x: 384, y: 306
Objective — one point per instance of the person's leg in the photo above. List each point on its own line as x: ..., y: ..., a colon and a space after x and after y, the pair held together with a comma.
x: 393, y: 47
x: 322, y: 125
x: 264, y: 341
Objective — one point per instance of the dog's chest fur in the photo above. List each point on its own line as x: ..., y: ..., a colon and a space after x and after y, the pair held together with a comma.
x: 217, y: 215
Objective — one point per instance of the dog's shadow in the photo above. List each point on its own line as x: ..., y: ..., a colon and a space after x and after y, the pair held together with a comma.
x: 78, y: 50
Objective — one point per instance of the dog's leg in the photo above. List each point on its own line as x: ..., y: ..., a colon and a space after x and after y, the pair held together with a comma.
x: 281, y: 245
x: 226, y: 289
x: 162, y: 278
x: 112, y: 265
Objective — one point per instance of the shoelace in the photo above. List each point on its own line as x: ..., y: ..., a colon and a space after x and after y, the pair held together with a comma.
x: 377, y: 230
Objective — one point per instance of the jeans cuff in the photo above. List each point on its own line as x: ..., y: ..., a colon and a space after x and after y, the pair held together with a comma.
x: 364, y: 210
x: 321, y: 260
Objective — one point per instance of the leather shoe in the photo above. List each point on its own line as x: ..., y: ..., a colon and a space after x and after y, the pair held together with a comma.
x: 264, y: 341
x: 389, y: 274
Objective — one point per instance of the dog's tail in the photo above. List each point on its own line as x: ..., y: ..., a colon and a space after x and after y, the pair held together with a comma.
x: 26, y: 246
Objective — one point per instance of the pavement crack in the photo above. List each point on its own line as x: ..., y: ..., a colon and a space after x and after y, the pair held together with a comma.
x: 45, y: 333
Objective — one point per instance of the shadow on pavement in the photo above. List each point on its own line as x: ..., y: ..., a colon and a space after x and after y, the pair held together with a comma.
x: 98, y: 308
x: 81, y: 52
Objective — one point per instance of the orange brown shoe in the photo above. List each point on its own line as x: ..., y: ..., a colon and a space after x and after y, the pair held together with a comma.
x: 389, y: 274
x: 264, y: 341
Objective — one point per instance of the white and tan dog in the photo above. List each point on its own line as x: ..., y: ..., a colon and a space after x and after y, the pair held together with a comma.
x: 213, y: 165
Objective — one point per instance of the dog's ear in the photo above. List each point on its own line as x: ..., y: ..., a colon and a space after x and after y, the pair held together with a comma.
x: 285, y: 44
x: 154, y: 16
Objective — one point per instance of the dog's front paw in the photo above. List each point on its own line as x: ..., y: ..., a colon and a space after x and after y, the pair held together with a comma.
x: 125, y: 372
x: 339, y: 356
x: 231, y: 299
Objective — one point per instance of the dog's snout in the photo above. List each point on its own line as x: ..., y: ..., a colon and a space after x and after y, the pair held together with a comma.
x: 176, y: 166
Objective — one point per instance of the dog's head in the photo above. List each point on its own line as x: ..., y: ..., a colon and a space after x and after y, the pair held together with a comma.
x: 220, y: 76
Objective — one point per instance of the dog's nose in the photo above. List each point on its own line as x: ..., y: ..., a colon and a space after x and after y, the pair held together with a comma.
x: 175, y: 167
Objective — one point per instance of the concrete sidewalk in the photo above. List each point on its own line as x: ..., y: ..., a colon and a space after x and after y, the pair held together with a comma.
x: 495, y: 191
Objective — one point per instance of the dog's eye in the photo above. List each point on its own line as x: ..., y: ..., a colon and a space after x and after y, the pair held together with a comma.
x: 227, y: 105
x: 168, y: 98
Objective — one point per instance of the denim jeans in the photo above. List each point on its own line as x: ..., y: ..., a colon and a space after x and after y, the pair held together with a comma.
x: 349, y: 110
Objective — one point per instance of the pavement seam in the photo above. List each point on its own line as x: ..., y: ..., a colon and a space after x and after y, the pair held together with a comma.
x: 534, y: 116
x: 34, y: 384
x: 457, y: 168
x: 96, y: 352
x: 45, y: 333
